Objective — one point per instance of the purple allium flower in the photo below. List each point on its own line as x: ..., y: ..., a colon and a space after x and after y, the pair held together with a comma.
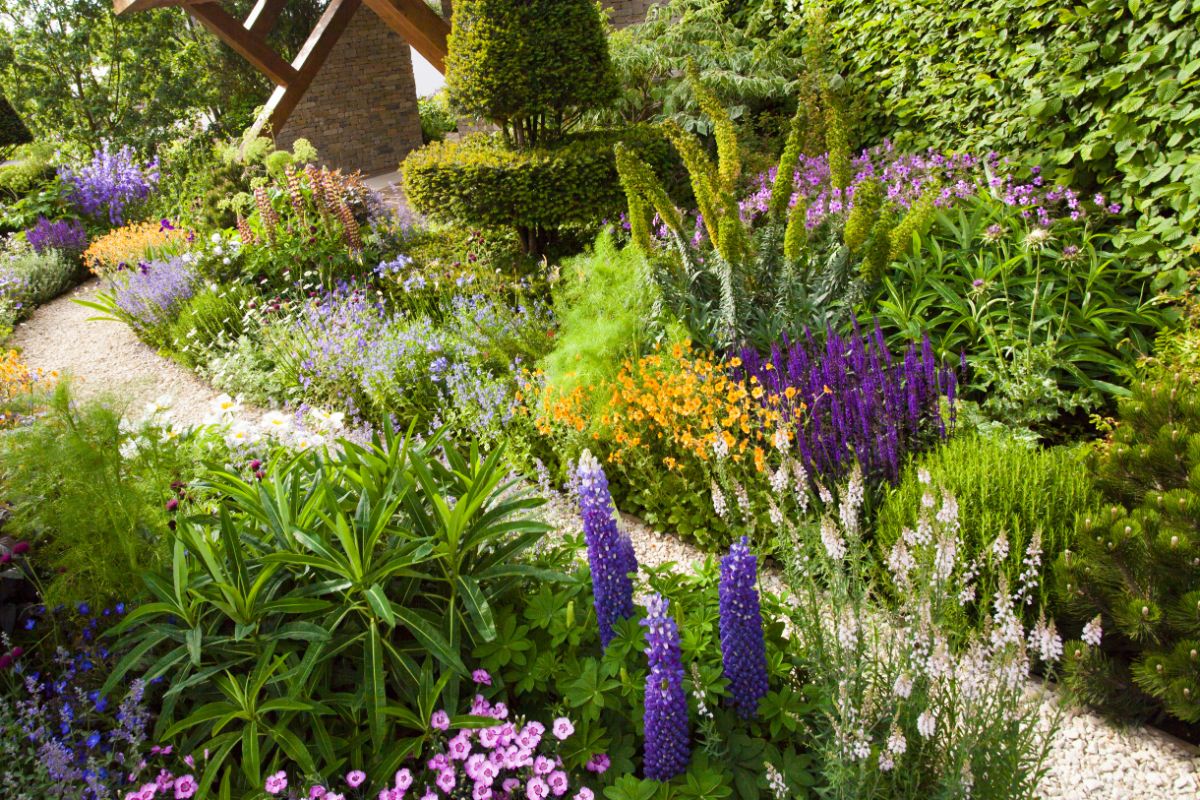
x: 108, y: 186
x: 743, y: 650
x: 65, y: 235
x: 668, y: 743
x: 610, y: 553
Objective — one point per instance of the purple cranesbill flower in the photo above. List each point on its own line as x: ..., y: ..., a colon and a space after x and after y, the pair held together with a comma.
x: 667, y: 749
x: 743, y: 649
x: 610, y: 553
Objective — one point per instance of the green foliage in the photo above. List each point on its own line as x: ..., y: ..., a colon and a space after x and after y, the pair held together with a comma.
x: 40, y: 277
x: 1136, y: 562
x: 1049, y: 322
x: 89, y: 492
x: 604, y: 304
x: 437, y: 119
x: 529, y: 66
x: 33, y: 169
x: 12, y: 130
x: 320, y: 615
x: 1003, y: 487
x: 209, y: 318
x: 1105, y: 94
x: 477, y: 181
x: 754, y: 78
x: 547, y: 656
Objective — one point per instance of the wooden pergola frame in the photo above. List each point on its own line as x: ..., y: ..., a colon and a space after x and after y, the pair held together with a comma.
x: 412, y: 20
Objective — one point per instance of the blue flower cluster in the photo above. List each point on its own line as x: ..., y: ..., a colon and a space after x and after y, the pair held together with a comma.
x: 610, y: 553
x: 668, y: 743
x: 112, y: 182
x: 743, y: 651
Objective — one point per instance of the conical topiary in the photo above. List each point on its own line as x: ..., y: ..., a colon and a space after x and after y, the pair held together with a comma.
x: 1132, y: 577
x: 12, y: 130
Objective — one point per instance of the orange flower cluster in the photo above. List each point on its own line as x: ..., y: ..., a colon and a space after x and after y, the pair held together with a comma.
x: 140, y: 241
x: 677, y: 406
x: 17, y: 382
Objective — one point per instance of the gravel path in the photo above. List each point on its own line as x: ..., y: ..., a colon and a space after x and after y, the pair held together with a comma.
x: 105, y: 359
x: 1091, y: 759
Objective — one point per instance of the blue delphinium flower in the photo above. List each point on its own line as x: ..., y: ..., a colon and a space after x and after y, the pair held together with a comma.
x: 668, y: 744
x: 743, y: 651
x: 610, y: 554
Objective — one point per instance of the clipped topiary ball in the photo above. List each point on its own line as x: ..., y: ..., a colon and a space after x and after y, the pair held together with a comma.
x: 515, y: 59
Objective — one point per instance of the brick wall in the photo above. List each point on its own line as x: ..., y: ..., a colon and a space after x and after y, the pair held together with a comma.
x: 627, y: 12
x: 361, y: 110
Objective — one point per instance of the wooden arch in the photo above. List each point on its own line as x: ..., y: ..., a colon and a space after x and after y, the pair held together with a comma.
x: 412, y: 20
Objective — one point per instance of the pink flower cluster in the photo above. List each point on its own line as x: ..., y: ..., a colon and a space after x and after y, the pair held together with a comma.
x: 506, y: 761
x: 166, y: 786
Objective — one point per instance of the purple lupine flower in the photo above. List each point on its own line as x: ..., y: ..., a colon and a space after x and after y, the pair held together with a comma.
x: 108, y: 186
x: 64, y: 235
x: 668, y: 743
x: 153, y: 294
x: 610, y: 553
x: 743, y: 650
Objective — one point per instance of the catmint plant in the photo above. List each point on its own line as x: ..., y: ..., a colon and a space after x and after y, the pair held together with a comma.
x: 668, y: 740
x: 150, y: 295
x: 610, y: 553
x: 743, y: 650
x: 65, y: 235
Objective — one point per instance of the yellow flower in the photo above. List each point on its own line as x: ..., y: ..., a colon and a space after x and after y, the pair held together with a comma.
x: 141, y: 241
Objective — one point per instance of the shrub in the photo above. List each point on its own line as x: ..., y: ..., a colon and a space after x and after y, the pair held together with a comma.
x: 356, y: 614
x: 12, y: 130
x: 437, y: 119
x: 28, y: 279
x: 1133, y: 573
x: 126, y: 247
x: 33, y: 169
x: 528, y: 66
x: 1004, y: 489
x: 479, y: 182
x: 1049, y: 318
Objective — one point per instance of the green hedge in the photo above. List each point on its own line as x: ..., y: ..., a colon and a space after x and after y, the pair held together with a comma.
x: 480, y: 182
x: 1104, y: 94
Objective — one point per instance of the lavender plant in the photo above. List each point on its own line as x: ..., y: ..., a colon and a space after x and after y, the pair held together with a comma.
x: 667, y: 740
x: 743, y: 650
x: 919, y: 707
x: 610, y: 553
x: 111, y: 185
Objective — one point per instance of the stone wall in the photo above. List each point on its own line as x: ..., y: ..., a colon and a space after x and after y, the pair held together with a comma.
x: 361, y: 110
x: 627, y: 12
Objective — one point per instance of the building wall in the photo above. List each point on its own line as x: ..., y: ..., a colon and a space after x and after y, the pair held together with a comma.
x: 627, y: 12
x: 361, y: 110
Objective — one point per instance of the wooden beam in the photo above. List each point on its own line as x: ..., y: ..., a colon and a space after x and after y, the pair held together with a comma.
x: 308, y: 62
x: 250, y: 46
x: 262, y: 18
x: 133, y: 6
x: 418, y: 25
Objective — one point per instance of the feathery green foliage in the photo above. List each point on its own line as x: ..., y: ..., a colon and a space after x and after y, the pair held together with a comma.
x: 1136, y: 562
x: 1002, y: 486
x: 605, y: 304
